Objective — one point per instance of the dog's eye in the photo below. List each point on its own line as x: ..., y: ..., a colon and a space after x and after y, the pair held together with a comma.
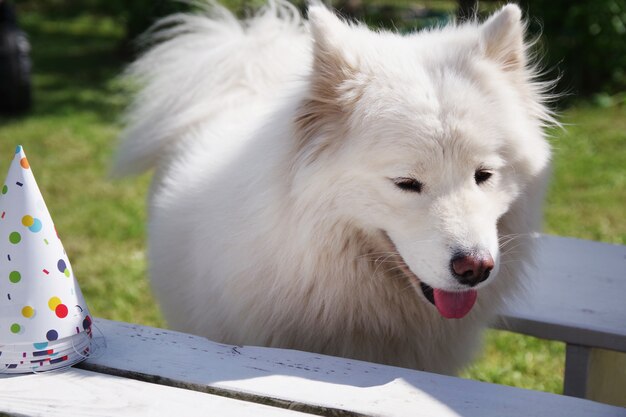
x: 408, y: 184
x: 482, y: 175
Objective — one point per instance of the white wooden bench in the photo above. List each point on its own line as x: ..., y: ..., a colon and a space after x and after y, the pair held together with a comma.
x: 579, y: 299
x: 152, y: 372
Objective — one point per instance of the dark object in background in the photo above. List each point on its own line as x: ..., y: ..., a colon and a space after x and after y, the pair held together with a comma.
x: 467, y: 10
x: 585, y: 40
x: 15, y: 64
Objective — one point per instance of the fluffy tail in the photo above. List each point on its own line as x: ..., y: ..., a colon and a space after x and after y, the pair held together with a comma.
x: 199, y: 64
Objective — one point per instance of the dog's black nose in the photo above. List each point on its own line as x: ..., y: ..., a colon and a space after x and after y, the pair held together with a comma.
x: 471, y: 269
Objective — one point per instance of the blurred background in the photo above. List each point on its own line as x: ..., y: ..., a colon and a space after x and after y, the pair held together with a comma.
x: 62, y: 98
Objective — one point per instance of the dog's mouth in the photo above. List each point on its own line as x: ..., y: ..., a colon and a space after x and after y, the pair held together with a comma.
x: 428, y: 292
x: 450, y: 304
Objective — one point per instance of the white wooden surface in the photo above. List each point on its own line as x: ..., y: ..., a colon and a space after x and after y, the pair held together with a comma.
x: 76, y: 392
x: 317, y: 383
x: 579, y: 296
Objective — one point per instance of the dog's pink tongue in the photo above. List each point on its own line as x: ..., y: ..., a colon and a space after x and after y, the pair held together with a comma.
x: 454, y: 305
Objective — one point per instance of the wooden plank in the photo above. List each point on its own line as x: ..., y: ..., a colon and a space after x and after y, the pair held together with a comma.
x: 578, y: 295
x: 75, y: 392
x: 576, y: 371
x: 316, y: 383
x: 607, y: 377
x: 596, y: 374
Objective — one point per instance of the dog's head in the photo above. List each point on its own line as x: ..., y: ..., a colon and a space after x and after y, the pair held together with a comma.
x: 426, y: 140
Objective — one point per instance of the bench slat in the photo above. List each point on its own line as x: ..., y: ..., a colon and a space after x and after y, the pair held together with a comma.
x: 316, y: 383
x: 577, y: 296
x: 76, y: 392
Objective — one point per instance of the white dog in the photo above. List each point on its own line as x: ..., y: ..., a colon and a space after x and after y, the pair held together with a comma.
x: 325, y: 187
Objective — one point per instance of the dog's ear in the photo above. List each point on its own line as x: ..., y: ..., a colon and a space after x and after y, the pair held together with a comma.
x: 322, y: 113
x: 332, y: 61
x: 502, y: 38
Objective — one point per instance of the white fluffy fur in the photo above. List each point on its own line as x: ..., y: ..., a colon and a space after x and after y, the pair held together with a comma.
x: 275, y: 143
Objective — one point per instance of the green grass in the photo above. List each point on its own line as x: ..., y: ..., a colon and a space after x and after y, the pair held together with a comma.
x: 71, y: 133
x: 587, y: 197
x: 520, y: 361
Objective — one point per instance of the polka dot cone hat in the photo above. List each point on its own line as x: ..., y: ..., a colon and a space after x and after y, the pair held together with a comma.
x: 40, y: 300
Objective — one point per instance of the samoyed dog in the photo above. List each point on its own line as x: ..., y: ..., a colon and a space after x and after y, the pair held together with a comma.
x: 326, y: 187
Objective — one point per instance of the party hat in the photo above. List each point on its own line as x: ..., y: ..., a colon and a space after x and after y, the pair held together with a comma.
x: 44, y: 320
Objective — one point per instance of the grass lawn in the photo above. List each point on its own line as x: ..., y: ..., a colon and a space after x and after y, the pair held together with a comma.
x: 70, y: 136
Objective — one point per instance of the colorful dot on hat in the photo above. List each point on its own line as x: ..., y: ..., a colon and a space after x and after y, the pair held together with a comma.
x: 18, y: 148
x: 62, y: 266
x: 15, y: 328
x: 87, y: 323
x: 36, y: 226
x: 53, y: 303
x: 28, y: 221
x: 40, y: 345
x: 15, y: 277
x: 15, y: 238
x: 52, y: 335
x: 5, y: 189
x: 61, y: 311
x: 28, y: 312
x: 24, y: 163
